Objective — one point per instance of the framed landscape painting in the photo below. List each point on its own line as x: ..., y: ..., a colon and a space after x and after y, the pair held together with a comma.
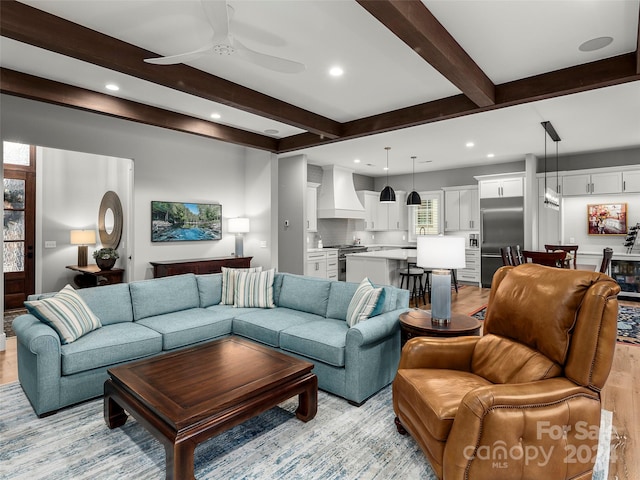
x: 607, y: 218
x: 178, y: 222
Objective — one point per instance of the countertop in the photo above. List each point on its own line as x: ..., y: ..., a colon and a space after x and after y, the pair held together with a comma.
x: 395, y: 254
x: 314, y: 250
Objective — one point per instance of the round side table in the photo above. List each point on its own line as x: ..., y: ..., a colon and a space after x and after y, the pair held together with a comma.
x: 417, y: 323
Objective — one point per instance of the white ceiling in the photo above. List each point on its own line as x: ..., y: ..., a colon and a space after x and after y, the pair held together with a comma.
x: 508, y: 40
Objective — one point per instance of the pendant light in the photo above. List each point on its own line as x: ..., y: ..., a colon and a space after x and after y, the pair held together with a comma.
x: 387, y: 195
x: 414, y: 197
x: 551, y: 196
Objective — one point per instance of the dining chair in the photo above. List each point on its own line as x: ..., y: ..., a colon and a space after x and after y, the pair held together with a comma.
x: 550, y: 259
x: 570, y: 249
x: 516, y: 254
x: 607, y: 253
x: 507, y: 259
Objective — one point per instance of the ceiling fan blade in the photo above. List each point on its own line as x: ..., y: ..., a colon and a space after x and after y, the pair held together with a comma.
x: 270, y: 62
x: 181, y: 57
x: 218, y: 15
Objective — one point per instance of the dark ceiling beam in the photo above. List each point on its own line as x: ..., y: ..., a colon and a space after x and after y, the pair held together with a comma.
x: 36, y: 27
x: 414, y: 24
x: 36, y: 88
x: 599, y: 74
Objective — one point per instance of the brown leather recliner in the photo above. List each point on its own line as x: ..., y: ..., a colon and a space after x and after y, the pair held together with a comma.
x: 523, y: 400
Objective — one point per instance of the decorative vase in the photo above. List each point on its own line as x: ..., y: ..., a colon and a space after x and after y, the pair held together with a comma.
x: 105, y: 263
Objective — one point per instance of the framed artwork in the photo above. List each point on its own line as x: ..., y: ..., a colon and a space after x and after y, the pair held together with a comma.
x: 607, y: 219
x: 179, y: 222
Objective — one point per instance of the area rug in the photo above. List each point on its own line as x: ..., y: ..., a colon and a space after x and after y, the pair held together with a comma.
x: 341, y: 442
x: 628, y: 323
x: 9, y: 315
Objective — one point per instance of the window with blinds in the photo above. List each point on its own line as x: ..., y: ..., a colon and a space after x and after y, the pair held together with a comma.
x: 426, y: 218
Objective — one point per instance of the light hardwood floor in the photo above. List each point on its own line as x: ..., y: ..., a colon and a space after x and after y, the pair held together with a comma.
x: 621, y: 394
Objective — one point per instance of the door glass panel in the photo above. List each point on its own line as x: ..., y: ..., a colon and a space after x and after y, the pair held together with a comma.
x: 13, y: 194
x: 13, y: 225
x: 13, y: 257
x: 16, y: 153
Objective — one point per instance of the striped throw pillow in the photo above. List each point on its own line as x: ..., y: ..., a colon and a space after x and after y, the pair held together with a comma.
x: 255, y: 289
x: 363, y: 302
x: 228, y: 283
x: 66, y: 313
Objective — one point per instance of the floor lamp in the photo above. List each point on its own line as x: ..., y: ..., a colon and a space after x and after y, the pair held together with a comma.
x: 239, y: 226
x: 440, y: 254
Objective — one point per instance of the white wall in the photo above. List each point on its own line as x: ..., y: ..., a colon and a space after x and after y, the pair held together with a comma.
x: 168, y: 165
x: 70, y: 187
x: 574, y: 222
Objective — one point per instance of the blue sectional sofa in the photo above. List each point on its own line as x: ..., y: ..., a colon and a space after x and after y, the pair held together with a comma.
x: 149, y: 317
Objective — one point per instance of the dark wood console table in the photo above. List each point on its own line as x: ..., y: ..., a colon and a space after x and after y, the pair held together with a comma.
x: 92, y: 276
x: 198, y: 265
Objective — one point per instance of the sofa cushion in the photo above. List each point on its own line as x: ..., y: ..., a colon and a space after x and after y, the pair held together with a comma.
x: 109, y: 345
x: 190, y: 326
x: 364, y: 302
x: 229, y: 282
x: 340, y: 294
x: 306, y: 294
x: 164, y: 295
x: 110, y: 303
x: 67, y: 313
x: 265, y: 325
x: 254, y: 289
x: 322, y: 340
x: 209, y: 289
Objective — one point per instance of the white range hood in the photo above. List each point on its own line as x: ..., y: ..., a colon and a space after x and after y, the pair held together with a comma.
x: 337, y: 197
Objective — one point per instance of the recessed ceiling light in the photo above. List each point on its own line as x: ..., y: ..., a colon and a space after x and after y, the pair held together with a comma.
x: 490, y: 155
x: 112, y: 86
x: 469, y: 144
x: 216, y: 116
x: 357, y: 160
x: 336, y: 71
x: 385, y: 168
x: 271, y: 131
x: 595, y: 44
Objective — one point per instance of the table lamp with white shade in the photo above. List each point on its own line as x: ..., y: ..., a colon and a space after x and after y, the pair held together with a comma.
x: 82, y: 238
x: 239, y: 226
x: 441, y: 254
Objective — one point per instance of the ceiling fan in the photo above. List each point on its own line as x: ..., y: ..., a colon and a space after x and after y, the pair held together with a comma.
x: 224, y: 43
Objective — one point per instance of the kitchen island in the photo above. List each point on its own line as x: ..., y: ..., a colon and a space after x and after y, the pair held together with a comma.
x: 382, y: 267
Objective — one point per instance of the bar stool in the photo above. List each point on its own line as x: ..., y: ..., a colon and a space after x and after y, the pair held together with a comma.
x: 418, y: 290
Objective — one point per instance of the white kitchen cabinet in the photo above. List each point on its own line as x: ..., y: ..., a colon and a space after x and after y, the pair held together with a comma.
x: 332, y: 265
x: 370, y: 202
x: 312, y: 207
x: 631, y: 181
x: 502, y: 187
x: 396, y: 213
x: 316, y: 264
x: 322, y: 264
x: 383, y: 216
x: 462, y: 209
x: 592, y: 183
x: 471, y: 272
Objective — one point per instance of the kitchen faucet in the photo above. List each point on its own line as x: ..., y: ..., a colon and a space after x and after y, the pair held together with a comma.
x: 422, y: 231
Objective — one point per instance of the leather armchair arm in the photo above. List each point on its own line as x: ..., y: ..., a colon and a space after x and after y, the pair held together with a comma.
x: 432, y: 352
x: 529, y: 427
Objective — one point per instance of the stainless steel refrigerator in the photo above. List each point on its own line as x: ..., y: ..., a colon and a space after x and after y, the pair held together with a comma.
x: 501, y: 224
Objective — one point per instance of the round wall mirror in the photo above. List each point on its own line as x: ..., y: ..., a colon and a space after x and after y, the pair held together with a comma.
x: 110, y: 220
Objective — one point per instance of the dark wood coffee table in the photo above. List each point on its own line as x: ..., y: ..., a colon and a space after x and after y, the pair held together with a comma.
x: 190, y: 395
